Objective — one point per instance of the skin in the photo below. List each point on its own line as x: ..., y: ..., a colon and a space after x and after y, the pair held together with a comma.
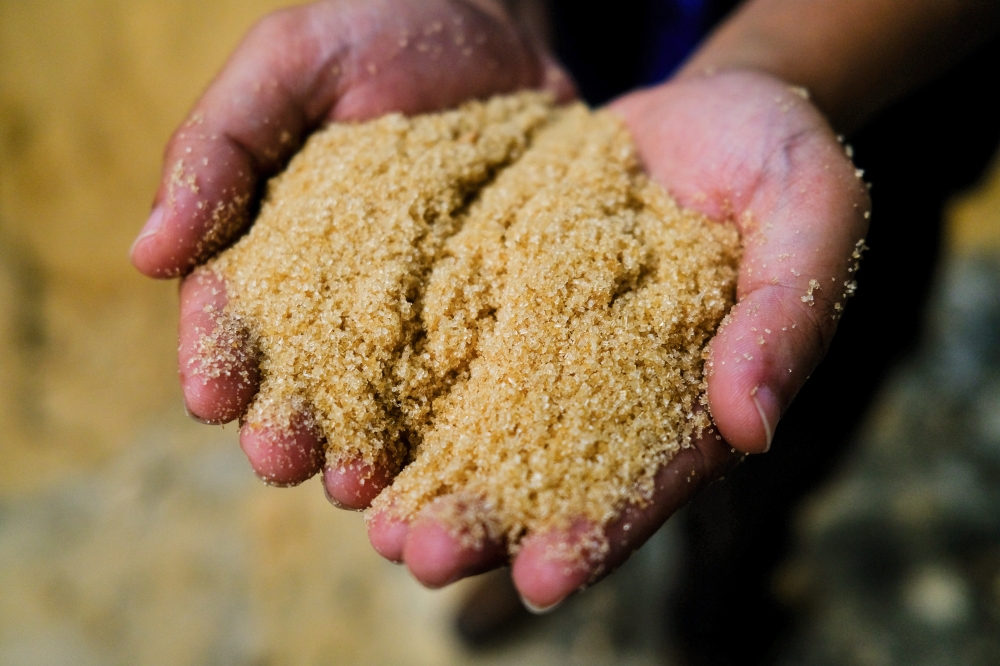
x: 854, y: 56
x: 729, y: 136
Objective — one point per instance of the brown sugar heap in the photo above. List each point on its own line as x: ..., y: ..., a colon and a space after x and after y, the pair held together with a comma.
x: 494, y: 299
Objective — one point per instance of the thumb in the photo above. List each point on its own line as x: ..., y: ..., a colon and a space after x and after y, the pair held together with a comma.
x: 803, y: 232
x: 744, y: 146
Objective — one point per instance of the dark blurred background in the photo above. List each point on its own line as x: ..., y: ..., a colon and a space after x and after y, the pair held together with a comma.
x: 129, y: 534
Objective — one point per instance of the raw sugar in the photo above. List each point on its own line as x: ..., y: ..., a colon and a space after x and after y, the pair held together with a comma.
x: 494, y: 300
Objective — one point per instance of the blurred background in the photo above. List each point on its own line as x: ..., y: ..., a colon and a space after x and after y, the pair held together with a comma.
x: 131, y: 535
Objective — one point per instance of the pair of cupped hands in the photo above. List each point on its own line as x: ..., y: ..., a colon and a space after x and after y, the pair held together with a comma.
x: 736, y: 145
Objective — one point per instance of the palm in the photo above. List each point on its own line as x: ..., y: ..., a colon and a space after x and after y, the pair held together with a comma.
x: 748, y: 148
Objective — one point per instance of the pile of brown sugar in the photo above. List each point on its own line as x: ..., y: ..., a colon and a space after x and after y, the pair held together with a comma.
x: 494, y: 300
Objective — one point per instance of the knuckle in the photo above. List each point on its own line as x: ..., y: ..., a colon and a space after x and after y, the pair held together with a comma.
x: 816, y: 316
x: 819, y: 320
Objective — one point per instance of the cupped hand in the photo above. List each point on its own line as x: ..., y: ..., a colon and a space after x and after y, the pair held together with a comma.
x: 297, y: 69
x: 739, y: 146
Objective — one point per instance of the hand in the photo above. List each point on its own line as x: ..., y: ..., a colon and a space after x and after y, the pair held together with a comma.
x: 736, y: 145
x: 337, y: 60
x: 742, y: 146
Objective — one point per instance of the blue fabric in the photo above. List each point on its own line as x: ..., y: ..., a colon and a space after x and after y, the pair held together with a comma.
x: 677, y: 27
x: 612, y: 47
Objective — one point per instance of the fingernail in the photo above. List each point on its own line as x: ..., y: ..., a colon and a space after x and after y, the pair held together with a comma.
x: 197, y: 418
x: 334, y: 502
x: 768, y: 409
x: 271, y: 483
x: 151, y: 228
x: 540, y: 610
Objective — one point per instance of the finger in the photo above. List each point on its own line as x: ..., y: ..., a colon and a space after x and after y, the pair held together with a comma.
x: 283, y: 455
x: 438, y: 554
x: 299, y: 67
x: 552, y: 565
x: 749, y: 148
x: 422, y: 57
x: 354, y: 485
x: 387, y: 535
x: 219, y: 377
x: 218, y: 370
x: 803, y: 235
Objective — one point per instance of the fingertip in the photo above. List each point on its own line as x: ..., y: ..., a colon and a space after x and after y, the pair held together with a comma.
x: 551, y: 566
x: 436, y: 556
x: 745, y: 417
x: 139, y: 253
x: 544, y: 574
x: 204, y: 201
x: 218, y: 372
x: 216, y: 401
x: 282, y: 456
x: 354, y: 485
x: 759, y: 359
x: 388, y: 536
x: 432, y: 554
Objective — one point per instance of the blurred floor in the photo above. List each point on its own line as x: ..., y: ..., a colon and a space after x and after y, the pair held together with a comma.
x: 898, y: 560
x: 129, y: 534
